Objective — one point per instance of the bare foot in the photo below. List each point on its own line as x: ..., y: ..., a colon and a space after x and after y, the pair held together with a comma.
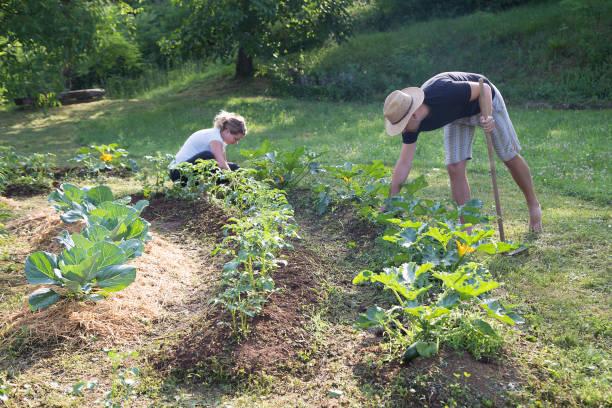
x: 535, y: 219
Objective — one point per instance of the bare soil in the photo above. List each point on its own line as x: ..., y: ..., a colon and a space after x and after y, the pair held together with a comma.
x: 276, y: 336
x: 25, y: 190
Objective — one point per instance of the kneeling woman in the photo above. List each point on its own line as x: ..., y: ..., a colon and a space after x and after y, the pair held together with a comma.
x: 205, y: 144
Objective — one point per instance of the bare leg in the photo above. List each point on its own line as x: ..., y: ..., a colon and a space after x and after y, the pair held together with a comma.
x: 522, y: 176
x: 460, y: 188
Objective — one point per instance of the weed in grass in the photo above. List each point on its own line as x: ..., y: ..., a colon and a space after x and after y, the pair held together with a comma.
x: 5, y: 389
x: 125, y: 378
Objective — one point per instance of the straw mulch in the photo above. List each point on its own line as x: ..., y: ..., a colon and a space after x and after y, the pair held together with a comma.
x: 164, y: 282
x: 37, y: 231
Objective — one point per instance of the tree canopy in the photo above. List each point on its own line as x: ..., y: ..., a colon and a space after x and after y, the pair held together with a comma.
x: 256, y: 28
x: 47, y: 45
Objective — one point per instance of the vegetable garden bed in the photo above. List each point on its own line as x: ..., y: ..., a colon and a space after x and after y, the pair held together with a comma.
x: 183, y: 335
x: 257, y: 308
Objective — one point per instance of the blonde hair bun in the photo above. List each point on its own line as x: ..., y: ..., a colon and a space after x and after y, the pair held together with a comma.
x: 230, y: 120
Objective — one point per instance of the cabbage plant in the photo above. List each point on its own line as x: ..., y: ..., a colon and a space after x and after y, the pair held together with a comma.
x: 88, y: 270
x: 91, y: 265
x: 75, y: 203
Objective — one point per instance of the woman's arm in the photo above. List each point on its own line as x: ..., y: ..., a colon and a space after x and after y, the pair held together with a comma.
x: 216, y: 149
x: 402, y: 168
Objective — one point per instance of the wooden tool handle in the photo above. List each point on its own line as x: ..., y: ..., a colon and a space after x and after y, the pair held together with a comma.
x: 486, y: 110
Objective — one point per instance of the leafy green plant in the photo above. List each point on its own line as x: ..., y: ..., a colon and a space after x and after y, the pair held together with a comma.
x: 365, y: 185
x: 87, y: 271
x: 194, y: 181
x: 98, y: 158
x: 469, y: 332
x: 124, y: 381
x: 253, y: 239
x: 446, y: 245
x: 46, y: 100
x: 284, y: 169
x: 91, y: 266
x: 424, y: 300
x: 31, y: 172
x: 155, y: 176
x: 80, y: 386
x: 116, y: 223
x: 5, y: 390
x: 433, y: 276
x: 75, y: 203
x: 253, y: 242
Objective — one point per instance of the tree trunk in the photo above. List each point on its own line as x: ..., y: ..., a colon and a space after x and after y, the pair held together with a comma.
x: 244, y: 64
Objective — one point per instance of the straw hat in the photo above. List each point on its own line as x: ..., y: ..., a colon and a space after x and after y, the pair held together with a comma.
x: 399, y: 107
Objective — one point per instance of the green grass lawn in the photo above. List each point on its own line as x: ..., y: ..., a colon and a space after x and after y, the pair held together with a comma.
x: 562, y: 286
x: 549, y: 52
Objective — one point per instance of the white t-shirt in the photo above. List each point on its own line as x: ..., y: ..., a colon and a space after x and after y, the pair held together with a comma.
x: 197, y: 143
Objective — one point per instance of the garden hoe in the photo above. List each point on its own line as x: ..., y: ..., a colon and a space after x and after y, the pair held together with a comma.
x: 487, y: 110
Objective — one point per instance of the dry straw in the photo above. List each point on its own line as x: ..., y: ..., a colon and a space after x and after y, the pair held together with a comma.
x: 165, y: 273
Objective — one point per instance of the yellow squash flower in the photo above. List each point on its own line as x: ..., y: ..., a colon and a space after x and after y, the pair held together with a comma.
x: 105, y: 157
x: 464, y: 249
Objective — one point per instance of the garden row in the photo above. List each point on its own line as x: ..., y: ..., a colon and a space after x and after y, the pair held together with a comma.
x: 439, y: 289
x: 261, y: 227
x: 37, y: 172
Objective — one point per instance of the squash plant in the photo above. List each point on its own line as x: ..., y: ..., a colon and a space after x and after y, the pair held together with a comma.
x: 33, y: 171
x: 433, y: 277
x: 425, y: 299
x: 439, y: 242
x: 285, y: 169
x: 365, y: 185
x: 97, y: 158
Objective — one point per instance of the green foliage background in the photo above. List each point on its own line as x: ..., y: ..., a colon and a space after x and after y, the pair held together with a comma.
x: 551, y: 53
x: 536, y: 51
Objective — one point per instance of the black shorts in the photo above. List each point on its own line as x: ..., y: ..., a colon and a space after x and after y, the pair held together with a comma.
x: 175, y: 174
